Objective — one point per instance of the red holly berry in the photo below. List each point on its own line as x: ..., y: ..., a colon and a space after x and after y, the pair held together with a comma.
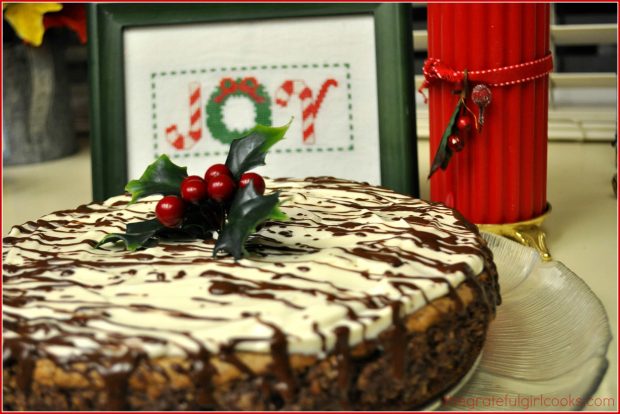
x: 221, y: 188
x: 193, y: 189
x: 216, y: 170
x: 169, y: 211
x: 455, y: 143
x: 463, y: 123
x: 257, y: 180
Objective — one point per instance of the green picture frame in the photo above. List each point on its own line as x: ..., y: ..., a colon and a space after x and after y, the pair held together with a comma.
x: 395, y: 79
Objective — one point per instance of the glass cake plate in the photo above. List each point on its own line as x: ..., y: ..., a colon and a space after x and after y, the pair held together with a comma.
x: 546, y: 349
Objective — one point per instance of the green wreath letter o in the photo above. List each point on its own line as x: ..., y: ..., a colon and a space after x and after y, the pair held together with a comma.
x: 215, y: 120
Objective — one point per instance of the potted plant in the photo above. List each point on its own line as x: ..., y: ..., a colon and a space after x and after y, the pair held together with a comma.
x: 37, y: 117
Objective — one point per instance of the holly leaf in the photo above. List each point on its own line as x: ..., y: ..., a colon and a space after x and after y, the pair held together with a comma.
x: 161, y: 177
x: 199, y: 222
x: 138, y: 234
x: 444, y: 153
x: 249, y: 152
x: 248, y: 210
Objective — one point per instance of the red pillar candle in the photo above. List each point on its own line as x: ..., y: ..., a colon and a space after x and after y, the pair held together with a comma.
x: 500, y: 175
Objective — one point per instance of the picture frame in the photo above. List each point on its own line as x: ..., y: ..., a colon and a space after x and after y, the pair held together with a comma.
x: 395, y: 103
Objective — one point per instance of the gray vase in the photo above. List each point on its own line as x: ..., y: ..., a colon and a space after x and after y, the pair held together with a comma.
x: 37, y: 116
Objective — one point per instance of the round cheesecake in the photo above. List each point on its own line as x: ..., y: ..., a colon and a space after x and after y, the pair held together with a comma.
x: 363, y: 299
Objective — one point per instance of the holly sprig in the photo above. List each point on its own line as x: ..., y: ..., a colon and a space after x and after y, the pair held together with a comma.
x: 229, y: 200
x: 444, y: 151
x: 453, y: 138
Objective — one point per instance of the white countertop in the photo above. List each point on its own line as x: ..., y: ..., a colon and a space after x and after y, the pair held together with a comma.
x: 581, y: 230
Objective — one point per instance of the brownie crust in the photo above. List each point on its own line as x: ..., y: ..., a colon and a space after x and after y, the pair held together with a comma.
x: 443, y: 340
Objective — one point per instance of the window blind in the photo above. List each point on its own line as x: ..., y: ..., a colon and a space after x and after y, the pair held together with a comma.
x: 582, y: 105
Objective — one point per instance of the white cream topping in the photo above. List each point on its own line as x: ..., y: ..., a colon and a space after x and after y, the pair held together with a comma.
x: 348, y: 249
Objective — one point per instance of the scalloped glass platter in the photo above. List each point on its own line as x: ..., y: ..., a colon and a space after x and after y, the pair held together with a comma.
x: 546, y: 349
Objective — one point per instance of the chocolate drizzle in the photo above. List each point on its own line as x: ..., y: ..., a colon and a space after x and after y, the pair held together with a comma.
x: 396, y: 345
x: 349, y: 252
x: 25, y: 358
x: 228, y: 354
x: 317, y: 331
x: 281, y: 365
x: 202, y: 376
x: 345, y: 366
x: 116, y: 378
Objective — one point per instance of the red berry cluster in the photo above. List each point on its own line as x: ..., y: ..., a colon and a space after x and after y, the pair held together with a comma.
x: 456, y: 141
x: 218, y: 185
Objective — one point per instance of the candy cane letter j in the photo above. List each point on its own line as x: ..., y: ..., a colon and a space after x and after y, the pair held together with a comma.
x: 181, y: 141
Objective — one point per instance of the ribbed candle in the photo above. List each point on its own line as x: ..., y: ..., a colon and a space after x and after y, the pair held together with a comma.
x: 500, y: 176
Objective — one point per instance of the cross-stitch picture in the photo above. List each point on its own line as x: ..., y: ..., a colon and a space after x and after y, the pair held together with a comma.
x: 190, y: 102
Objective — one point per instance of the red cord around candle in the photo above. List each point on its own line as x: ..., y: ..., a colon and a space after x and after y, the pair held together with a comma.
x: 435, y: 70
